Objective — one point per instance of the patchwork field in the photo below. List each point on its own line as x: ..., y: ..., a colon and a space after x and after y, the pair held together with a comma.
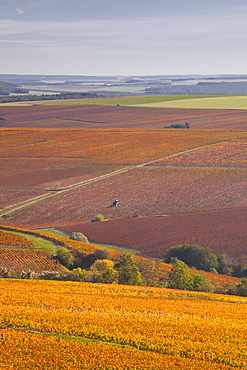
x: 94, y: 326
x: 61, y: 165
x: 82, y: 157
x: 92, y: 115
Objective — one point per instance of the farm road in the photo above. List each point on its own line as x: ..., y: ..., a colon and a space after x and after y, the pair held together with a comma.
x: 52, y: 192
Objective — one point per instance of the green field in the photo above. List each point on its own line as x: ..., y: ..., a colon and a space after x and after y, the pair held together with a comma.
x: 209, y: 102
x: 158, y: 101
x: 133, y: 100
x: 169, y: 101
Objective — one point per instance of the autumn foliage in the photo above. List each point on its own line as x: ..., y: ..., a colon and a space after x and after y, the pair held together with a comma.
x: 168, y: 326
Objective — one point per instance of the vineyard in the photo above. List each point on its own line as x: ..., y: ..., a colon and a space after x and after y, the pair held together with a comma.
x: 61, y: 166
x: 228, y: 154
x: 223, y: 230
x: 18, y: 260
x: 113, y: 116
x: 129, y: 327
x: 54, y: 159
x: 11, y: 239
x: 142, y: 192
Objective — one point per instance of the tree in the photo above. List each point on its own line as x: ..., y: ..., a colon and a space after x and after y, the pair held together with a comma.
x: 79, y: 237
x: 151, y: 272
x: 179, y: 277
x: 128, y: 271
x: 240, y: 270
x: 194, y: 256
x: 65, y: 257
x: 241, y: 288
x: 202, y: 283
x: 103, y: 272
x: 224, y: 265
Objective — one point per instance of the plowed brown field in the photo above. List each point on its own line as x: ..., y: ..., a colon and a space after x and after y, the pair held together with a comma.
x: 123, y: 116
x: 224, y: 230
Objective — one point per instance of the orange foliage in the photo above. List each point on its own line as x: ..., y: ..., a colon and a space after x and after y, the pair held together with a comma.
x: 228, y: 154
x: 109, y: 147
x: 28, y: 351
x: 12, y: 239
x: 27, y: 259
x: 207, y: 328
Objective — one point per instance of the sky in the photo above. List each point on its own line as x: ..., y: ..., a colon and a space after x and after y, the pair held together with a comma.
x: 123, y: 37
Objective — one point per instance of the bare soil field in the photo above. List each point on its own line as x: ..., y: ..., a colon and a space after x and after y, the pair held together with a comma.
x: 224, y: 230
x: 99, y: 116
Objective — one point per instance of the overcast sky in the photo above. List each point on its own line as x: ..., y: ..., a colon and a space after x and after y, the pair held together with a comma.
x: 123, y: 37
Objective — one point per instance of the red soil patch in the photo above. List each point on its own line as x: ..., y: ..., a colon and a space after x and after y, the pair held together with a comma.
x: 223, y: 230
x: 123, y: 116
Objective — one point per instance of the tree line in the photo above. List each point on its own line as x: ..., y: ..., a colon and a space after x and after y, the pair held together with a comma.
x: 201, y: 258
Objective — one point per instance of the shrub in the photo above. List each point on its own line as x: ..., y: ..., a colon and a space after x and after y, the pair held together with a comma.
x: 28, y: 274
x: 79, y: 237
x: 65, y: 257
x: 99, y: 217
x: 6, y: 273
x: 50, y: 275
x: 77, y: 274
